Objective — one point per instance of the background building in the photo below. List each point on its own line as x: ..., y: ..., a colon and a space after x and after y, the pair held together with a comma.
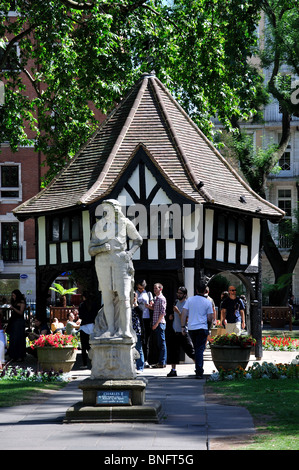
x: 196, y: 215
x: 20, y: 177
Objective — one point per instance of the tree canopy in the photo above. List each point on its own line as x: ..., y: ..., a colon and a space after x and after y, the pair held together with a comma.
x: 74, y: 53
x: 59, y: 57
x: 279, y: 55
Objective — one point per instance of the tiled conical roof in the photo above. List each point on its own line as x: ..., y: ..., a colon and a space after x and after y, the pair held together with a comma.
x: 149, y: 116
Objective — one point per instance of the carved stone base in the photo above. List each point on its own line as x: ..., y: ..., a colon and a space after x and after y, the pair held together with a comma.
x: 112, y: 358
x: 114, y: 401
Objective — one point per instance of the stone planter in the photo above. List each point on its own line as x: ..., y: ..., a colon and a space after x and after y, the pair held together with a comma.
x: 230, y: 357
x: 218, y: 331
x: 58, y: 359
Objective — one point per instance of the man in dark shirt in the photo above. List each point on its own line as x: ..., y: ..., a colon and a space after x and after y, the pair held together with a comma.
x: 232, y: 312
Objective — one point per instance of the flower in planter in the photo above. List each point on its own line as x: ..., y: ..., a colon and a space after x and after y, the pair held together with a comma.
x: 233, y: 340
x: 57, y: 340
x: 218, y: 324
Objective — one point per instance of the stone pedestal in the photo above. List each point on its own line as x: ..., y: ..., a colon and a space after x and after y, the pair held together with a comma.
x: 112, y: 358
x: 112, y: 393
x: 98, y: 392
x: 114, y: 401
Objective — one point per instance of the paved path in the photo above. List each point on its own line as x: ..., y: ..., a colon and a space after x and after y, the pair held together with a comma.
x: 189, y: 422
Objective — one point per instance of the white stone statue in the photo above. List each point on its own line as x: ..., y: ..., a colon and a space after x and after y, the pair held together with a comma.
x: 115, y: 271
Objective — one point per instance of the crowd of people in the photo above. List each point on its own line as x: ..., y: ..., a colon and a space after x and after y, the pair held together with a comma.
x: 160, y: 337
x: 80, y: 322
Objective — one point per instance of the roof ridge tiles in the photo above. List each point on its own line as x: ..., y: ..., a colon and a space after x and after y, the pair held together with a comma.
x: 180, y: 149
x: 118, y: 142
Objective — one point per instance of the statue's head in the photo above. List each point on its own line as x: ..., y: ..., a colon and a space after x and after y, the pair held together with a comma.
x: 113, y: 202
x: 109, y: 208
x: 112, y: 210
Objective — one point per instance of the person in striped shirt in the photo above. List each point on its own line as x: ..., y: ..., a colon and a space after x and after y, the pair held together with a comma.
x: 159, y: 324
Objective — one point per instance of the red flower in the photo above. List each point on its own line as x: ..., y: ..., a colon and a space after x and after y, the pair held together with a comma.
x: 55, y: 341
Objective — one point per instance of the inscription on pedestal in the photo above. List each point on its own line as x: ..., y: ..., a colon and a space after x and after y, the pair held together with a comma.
x: 113, y: 397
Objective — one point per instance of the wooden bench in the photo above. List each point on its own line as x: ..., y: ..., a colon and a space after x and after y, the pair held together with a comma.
x: 278, y: 316
x: 61, y: 313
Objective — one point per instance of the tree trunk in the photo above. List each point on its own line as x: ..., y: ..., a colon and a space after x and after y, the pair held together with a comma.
x: 63, y: 301
x: 279, y: 265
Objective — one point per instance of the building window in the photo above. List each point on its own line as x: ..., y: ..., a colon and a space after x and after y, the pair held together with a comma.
x: 55, y: 229
x: 75, y: 227
x: 241, y: 231
x: 65, y: 228
x: 285, y: 160
x: 10, y: 182
x: 285, y: 226
x: 231, y: 232
x: 10, y: 249
x: 221, y: 227
x: 231, y: 228
x: 12, y: 61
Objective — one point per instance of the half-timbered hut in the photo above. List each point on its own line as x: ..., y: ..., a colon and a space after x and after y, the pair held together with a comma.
x: 197, y: 216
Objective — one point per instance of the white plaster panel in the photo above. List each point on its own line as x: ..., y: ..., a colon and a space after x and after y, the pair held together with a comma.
x: 86, y: 234
x: 244, y: 254
x: 189, y: 280
x: 41, y: 240
x: 52, y: 250
x: 150, y: 182
x: 231, y: 252
x: 170, y: 249
x: 161, y: 198
x: 63, y: 252
x: 209, y: 234
x: 76, y: 251
x: 152, y: 249
x: 255, y: 242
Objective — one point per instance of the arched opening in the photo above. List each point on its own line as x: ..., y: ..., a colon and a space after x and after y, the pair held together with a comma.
x: 220, y: 282
x: 82, y: 277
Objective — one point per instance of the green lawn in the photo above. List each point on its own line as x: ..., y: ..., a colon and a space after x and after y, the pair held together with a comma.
x: 273, y: 405
x: 15, y: 392
x: 281, y: 333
